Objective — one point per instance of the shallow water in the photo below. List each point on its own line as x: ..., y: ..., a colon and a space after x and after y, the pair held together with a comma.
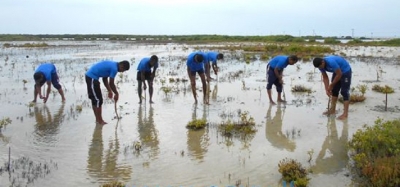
x: 83, y: 154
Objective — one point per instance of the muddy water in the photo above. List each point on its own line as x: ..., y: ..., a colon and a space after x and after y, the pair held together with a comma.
x: 79, y: 153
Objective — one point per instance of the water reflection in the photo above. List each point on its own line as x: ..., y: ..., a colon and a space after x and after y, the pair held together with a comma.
x: 273, y: 130
x: 47, y: 125
x: 333, y: 155
x: 148, y: 134
x: 102, y: 164
x: 214, y: 93
x: 198, y: 140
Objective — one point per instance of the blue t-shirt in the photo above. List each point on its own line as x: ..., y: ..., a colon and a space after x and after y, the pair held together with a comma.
x: 212, y: 57
x: 144, y: 65
x: 280, y: 61
x: 47, y: 69
x: 106, y: 68
x: 332, y: 63
x: 194, y: 66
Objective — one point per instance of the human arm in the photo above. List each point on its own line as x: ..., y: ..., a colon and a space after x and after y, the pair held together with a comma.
x: 325, y: 79
x: 107, y: 85
x: 113, y: 88
x: 47, y: 91
x: 337, y: 78
x: 215, y: 68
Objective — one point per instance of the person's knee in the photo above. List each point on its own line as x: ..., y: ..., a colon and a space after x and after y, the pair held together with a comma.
x: 57, y: 85
x: 345, y: 94
x: 279, y: 89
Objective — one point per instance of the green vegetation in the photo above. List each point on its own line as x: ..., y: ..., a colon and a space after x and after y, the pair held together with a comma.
x: 358, y: 95
x: 383, y: 89
x: 6, y: 45
x: 4, y: 122
x: 113, y: 184
x: 292, y: 170
x: 301, y: 88
x: 376, y: 154
x: 245, y: 125
x: 197, y: 124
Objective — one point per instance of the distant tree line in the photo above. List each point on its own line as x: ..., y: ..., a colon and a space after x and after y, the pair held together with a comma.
x: 196, y: 38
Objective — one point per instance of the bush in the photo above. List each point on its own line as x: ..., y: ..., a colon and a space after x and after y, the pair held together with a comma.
x: 292, y: 170
x: 300, y: 88
x: 197, y: 124
x: 383, y: 89
x: 113, y: 184
x: 376, y: 153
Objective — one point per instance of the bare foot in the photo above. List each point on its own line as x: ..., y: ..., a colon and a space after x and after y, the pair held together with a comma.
x: 151, y: 102
x: 140, y: 102
x: 329, y: 112
x: 272, y: 102
x: 342, y: 117
x: 63, y: 100
x: 34, y: 101
x: 281, y: 101
x: 101, y: 122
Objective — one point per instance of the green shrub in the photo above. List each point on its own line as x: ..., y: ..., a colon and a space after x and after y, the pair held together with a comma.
x: 376, y: 153
x: 292, y: 170
x: 197, y: 124
x: 383, y: 89
x: 113, y: 184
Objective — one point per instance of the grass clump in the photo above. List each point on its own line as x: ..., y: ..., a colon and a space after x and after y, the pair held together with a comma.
x: 301, y: 88
x: 382, y: 89
x: 4, y: 122
x: 358, y: 94
x: 376, y: 154
x: 197, y: 124
x: 246, y: 125
x: 292, y: 170
x: 114, y: 184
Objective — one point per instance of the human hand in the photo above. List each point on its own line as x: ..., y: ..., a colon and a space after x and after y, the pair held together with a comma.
x: 144, y: 87
x: 45, y: 99
x: 281, y: 81
x: 116, y: 97
x: 110, y: 94
x: 328, y: 93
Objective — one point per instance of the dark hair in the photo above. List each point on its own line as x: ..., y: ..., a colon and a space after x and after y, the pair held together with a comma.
x: 154, y: 58
x: 317, y: 62
x: 198, y: 58
x: 38, y: 76
x: 294, y: 58
x: 220, y: 56
x: 125, y: 65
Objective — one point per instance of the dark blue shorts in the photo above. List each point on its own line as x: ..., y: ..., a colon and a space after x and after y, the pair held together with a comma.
x: 273, y: 80
x: 343, y: 86
x: 55, y: 81
x: 147, y: 75
x: 193, y: 73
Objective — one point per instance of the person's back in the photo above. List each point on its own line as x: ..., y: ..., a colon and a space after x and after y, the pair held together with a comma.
x: 278, y: 61
x: 192, y: 64
x: 47, y: 69
x: 341, y: 62
x: 106, y: 68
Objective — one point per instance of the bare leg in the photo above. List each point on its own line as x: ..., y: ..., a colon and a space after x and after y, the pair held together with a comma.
x: 280, y: 98
x: 62, y: 94
x: 140, y: 91
x: 332, y: 110
x: 345, y: 110
x: 270, y: 97
x: 193, y: 84
x: 150, y: 83
x: 97, y: 113
x: 204, y: 84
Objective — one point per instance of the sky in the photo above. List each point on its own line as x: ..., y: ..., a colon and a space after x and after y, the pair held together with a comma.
x: 357, y: 18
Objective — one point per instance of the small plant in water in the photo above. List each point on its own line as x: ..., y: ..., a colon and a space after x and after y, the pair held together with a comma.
x: 300, y: 88
x: 113, y: 184
x: 4, y: 122
x: 78, y: 108
x: 292, y: 170
x: 197, y: 124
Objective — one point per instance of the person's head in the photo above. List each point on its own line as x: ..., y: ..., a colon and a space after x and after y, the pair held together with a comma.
x: 319, y: 62
x: 123, y: 66
x: 220, y: 56
x: 198, y: 58
x: 39, y: 79
x: 293, y: 59
x: 153, y: 60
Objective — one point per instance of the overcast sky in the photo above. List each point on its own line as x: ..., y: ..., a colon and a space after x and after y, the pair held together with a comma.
x: 182, y: 17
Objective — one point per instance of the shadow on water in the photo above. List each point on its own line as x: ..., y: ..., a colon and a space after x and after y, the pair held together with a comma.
x: 48, y: 125
x: 273, y: 130
x: 102, y: 163
x: 333, y: 156
x: 198, y: 140
x: 148, y: 134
